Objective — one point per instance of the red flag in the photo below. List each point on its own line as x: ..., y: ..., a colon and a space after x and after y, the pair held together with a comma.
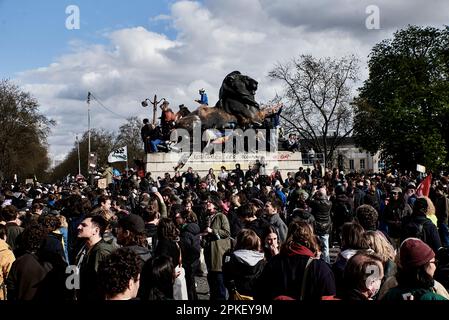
x: 424, y: 187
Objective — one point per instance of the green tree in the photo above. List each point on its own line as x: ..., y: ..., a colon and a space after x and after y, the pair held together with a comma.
x: 403, y: 107
x: 317, y: 96
x: 23, y: 134
x: 101, y: 143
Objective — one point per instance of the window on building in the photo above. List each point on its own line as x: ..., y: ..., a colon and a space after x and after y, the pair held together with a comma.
x: 351, y: 164
x: 362, y: 164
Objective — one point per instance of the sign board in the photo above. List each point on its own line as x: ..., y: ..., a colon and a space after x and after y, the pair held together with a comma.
x: 29, y: 181
x: 102, y: 184
x: 420, y: 168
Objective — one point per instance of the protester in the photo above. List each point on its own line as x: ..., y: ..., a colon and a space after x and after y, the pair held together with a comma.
x: 119, y: 275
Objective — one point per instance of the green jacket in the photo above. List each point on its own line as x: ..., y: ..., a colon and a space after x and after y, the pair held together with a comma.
x: 88, y: 264
x: 422, y: 294
x: 218, y: 242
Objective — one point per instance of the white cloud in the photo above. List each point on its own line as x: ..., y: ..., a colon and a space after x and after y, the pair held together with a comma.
x: 213, y: 39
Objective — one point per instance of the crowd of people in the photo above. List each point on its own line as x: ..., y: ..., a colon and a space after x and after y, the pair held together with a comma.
x: 254, y: 235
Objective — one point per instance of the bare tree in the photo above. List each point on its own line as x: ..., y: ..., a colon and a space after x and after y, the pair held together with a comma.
x: 317, y: 99
x: 129, y: 135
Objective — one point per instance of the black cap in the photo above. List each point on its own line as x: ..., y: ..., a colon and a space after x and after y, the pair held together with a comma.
x: 133, y: 223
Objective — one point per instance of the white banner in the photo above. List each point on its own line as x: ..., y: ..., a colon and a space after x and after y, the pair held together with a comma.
x: 118, y: 155
x: 420, y: 168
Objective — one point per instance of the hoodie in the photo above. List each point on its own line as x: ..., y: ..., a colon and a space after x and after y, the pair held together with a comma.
x: 241, y: 269
x: 276, y: 221
x: 190, y: 243
x: 143, y: 253
x: 249, y: 257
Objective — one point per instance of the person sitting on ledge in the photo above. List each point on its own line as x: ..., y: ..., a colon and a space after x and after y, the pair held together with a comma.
x: 155, y: 138
x: 203, y: 98
x: 292, y: 143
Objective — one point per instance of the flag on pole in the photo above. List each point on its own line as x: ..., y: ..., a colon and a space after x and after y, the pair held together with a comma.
x: 424, y: 187
x: 118, y: 155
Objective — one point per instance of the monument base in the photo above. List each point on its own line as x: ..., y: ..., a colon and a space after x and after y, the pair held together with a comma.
x: 160, y: 163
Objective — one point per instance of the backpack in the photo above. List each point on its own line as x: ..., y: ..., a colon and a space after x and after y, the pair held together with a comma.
x: 343, y: 212
x: 413, y: 229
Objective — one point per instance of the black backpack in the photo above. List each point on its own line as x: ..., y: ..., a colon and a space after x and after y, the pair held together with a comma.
x: 343, y: 211
x: 414, y: 229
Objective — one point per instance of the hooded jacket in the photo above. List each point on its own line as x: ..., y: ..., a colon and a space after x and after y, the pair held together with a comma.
x: 284, y: 274
x: 190, y: 243
x: 276, y: 221
x: 241, y: 270
x: 143, y: 253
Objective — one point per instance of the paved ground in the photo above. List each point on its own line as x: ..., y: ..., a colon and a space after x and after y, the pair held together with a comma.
x: 203, y: 288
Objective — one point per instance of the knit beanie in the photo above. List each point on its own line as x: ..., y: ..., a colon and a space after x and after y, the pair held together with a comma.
x: 414, y: 253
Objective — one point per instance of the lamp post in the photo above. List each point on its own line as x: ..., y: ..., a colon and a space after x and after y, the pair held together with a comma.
x: 79, y: 159
x: 88, y: 128
x: 154, y: 102
x: 88, y: 143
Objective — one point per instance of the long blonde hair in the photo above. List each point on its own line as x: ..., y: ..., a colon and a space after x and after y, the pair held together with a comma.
x: 380, y: 245
x: 430, y: 207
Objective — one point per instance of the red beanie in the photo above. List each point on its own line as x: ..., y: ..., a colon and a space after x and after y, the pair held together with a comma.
x: 414, y: 253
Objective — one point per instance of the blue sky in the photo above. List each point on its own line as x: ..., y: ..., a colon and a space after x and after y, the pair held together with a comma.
x: 123, y: 54
x: 33, y: 33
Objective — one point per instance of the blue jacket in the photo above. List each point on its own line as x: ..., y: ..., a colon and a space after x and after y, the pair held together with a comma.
x: 282, y: 196
x: 203, y: 99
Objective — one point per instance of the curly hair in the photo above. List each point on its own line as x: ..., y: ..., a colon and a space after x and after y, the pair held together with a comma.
x: 50, y: 223
x: 9, y: 213
x: 134, y: 239
x: 167, y: 230
x: 115, y: 271
x: 367, y: 216
x: 32, y: 237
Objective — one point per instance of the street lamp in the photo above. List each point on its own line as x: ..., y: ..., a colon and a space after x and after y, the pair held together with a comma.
x: 154, y: 102
x: 79, y: 159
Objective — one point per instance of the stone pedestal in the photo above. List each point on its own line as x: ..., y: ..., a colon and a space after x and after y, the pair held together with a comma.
x: 160, y: 163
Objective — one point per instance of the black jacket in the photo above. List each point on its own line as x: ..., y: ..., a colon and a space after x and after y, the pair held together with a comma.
x: 429, y: 230
x: 342, y: 209
x: 321, y: 209
x: 395, y: 212
x: 35, y: 277
x: 190, y: 245
x: 239, y: 274
x: 283, y: 275
x: 89, y: 267
x: 12, y: 235
x: 259, y: 226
